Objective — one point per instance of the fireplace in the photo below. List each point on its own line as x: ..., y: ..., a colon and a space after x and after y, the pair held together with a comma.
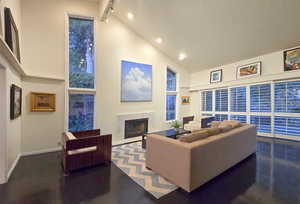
x: 136, y: 127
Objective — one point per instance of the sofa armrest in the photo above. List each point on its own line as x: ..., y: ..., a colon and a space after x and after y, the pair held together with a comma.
x: 170, y: 158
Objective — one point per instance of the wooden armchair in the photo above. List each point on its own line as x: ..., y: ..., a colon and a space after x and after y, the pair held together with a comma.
x: 84, y: 149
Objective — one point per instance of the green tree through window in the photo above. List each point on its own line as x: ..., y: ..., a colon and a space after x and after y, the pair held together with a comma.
x: 81, y: 53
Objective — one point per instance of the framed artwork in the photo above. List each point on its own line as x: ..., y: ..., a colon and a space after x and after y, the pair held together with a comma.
x: 291, y: 59
x: 42, y: 102
x: 11, y: 33
x: 15, y: 102
x: 216, y: 76
x: 185, y: 100
x: 136, y: 82
x: 249, y: 70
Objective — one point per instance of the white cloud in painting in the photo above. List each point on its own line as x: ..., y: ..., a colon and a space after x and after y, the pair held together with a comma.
x: 137, y: 85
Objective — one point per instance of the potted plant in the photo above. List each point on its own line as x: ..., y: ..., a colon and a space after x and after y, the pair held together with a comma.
x: 175, y: 124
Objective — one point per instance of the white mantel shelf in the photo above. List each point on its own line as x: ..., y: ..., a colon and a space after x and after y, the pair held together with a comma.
x: 11, y: 58
x: 137, y: 113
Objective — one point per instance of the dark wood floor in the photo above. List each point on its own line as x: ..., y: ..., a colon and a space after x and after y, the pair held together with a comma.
x: 270, y: 176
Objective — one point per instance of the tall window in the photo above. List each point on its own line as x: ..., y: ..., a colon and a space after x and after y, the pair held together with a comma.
x: 221, y: 100
x: 81, y: 74
x: 238, y: 99
x: 171, y: 95
x: 207, y: 100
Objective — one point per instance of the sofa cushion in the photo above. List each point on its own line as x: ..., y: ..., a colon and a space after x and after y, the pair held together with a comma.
x: 233, y: 123
x: 214, y: 124
x: 194, y: 136
x: 225, y: 127
x: 213, y: 131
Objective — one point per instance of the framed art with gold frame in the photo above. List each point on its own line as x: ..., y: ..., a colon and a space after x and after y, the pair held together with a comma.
x: 42, y: 102
x: 185, y: 100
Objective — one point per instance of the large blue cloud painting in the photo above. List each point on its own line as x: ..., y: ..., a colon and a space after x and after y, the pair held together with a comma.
x: 136, y: 82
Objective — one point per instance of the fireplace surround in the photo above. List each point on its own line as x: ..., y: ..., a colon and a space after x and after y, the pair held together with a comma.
x: 135, y: 127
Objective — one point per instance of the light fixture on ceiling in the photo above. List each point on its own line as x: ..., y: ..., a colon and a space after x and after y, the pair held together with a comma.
x: 181, y: 56
x: 109, y: 9
x: 159, y: 40
x: 130, y: 16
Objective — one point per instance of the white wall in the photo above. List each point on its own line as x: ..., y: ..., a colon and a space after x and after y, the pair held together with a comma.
x: 13, y: 130
x: 44, y: 44
x: 42, y: 130
x: 272, y: 69
x: 115, y: 42
x: 2, y: 125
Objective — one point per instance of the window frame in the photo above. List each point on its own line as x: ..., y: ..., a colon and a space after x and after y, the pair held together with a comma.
x: 68, y: 89
x: 171, y: 93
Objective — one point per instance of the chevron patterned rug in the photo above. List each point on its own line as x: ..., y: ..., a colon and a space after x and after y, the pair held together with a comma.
x: 130, y: 158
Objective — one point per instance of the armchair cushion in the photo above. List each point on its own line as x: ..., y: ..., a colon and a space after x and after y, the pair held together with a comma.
x: 70, y: 136
x: 82, y: 150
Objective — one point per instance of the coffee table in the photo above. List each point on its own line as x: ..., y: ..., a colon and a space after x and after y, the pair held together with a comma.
x: 170, y: 133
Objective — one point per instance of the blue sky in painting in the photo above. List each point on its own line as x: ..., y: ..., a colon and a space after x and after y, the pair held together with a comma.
x: 136, y: 81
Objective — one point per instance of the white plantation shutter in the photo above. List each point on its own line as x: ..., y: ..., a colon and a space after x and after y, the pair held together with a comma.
x: 207, y: 100
x: 284, y: 125
x: 221, y: 117
x: 241, y: 118
x: 263, y: 123
x: 221, y: 100
x: 238, y: 99
x: 287, y: 97
x: 260, y: 98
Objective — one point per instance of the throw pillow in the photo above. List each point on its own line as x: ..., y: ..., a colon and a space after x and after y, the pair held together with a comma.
x: 194, y: 136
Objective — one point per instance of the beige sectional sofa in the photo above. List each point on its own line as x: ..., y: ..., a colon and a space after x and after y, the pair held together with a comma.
x: 191, y: 164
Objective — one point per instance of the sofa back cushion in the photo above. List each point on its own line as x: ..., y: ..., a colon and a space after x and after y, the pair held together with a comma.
x: 194, y: 136
x: 215, y: 124
x: 213, y: 131
x: 233, y: 123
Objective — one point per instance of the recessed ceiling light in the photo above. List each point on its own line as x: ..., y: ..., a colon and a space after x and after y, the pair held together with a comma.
x: 159, y: 40
x: 182, y: 56
x: 130, y: 16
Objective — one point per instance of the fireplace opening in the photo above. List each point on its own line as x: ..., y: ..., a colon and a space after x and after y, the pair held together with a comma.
x: 135, y: 128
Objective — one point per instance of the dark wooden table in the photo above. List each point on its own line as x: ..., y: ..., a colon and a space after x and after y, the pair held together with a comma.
x: 170, y: 133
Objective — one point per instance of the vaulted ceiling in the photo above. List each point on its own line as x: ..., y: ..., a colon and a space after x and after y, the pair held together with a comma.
x: 214, y: 32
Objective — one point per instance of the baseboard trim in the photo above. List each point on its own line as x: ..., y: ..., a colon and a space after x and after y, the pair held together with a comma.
x: 43, y: 151
x: 13, y: 167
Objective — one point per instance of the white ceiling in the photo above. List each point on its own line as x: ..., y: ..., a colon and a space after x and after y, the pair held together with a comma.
x: 214, y: 32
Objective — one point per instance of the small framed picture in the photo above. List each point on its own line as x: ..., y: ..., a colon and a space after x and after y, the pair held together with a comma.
x: 216, y: 76
x: 292, y: 59
x: 249, y: 70
x: 15, y: 102
x: 185, y: 100
x: 42, y: 102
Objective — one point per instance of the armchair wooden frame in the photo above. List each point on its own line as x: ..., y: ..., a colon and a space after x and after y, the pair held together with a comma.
x: 85, y: 139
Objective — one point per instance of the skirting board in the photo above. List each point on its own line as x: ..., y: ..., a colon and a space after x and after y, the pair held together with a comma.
x: 56, y: 149
x: 13, y: 167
